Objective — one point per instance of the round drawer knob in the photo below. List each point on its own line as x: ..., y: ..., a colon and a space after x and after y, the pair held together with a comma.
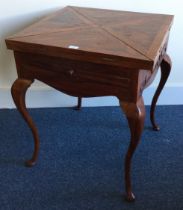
x: 71, y: 72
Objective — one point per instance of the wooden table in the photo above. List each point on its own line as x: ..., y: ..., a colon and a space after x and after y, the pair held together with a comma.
x: 88, y: 52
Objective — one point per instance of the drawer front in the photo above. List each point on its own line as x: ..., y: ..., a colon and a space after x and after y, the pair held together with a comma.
x: 75, y: 77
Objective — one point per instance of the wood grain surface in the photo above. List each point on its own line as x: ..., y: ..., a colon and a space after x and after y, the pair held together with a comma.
x: 88, y: 52
x: 103, y: 36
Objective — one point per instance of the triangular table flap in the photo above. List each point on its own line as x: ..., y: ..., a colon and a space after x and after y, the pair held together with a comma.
x: 91, y: 40
x: 87, y: 39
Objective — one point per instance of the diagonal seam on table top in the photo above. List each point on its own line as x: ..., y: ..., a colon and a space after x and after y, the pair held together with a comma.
x: 87, y: 22
x: 53, y: 32
x: 96, y: 25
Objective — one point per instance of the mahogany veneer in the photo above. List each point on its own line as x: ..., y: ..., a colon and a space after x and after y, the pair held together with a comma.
x: 88, y: 52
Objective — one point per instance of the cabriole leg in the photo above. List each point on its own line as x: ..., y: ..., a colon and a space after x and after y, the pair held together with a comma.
x: 18, y: 92
x: 135, y: 113
x: 165, y: 71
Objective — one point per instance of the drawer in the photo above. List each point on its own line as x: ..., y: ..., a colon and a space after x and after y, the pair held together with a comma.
x: 102, y: 79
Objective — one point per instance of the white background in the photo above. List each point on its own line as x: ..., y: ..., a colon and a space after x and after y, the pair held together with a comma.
x: 16, y: 14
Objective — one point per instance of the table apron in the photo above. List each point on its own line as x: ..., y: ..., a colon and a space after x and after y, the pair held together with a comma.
x: 78, y: 78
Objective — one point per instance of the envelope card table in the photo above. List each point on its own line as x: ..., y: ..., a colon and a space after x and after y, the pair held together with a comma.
x: 87, y: 52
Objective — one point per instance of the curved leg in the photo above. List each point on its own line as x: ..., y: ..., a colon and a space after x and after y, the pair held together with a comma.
x: 135, y: 113
x: 78, y: 107
x: 18, y: 91
x: 165, y: 71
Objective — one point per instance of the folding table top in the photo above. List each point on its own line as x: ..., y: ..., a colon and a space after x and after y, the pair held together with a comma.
x: 104, y: 36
